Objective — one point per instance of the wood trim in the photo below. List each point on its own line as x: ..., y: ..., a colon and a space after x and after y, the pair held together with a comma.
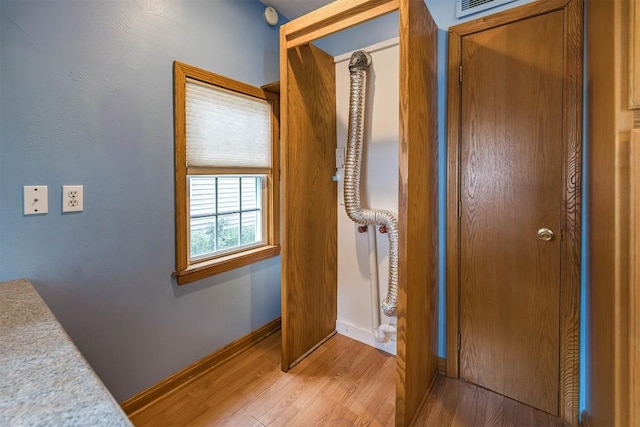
x: 572, y: 172
x: 453, y: 197
x: 273, y: 179
x: 224, y: 263
x: 333, y: 18
x: 441, y: 365
x: 634, y: 54
x: 529, y: 10
x: 610, y: 191
x: 187, y: 272
x: 572, y: 214
x: 586, y: 419
x: 284, y: 259
x: 417, y: 209
x: 190, y: 373
x: 180, y: 164
x: 204, y: 170
x: 634, y: 278
x: 273, y: 87
x: 209, y: 78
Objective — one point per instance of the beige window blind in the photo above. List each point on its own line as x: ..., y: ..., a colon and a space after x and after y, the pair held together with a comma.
x: 226, y: 128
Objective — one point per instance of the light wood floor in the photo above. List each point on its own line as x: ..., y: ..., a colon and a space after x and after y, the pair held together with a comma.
x: 343, y: 383
x: 458, y: 403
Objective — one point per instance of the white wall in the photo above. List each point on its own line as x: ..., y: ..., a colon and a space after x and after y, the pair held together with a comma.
x: 379, y: 189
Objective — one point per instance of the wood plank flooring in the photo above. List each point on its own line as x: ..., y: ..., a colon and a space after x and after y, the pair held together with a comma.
x: 343, y: 383
x: 458, y: 403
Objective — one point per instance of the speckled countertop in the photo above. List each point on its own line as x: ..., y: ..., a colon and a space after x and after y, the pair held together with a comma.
x: 44, y: 380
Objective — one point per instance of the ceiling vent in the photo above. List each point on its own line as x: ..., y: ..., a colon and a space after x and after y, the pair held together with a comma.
x: 467, y: 7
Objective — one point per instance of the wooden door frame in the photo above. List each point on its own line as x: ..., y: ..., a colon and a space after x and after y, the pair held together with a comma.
x: 571, y: 193
x: 417, y: 200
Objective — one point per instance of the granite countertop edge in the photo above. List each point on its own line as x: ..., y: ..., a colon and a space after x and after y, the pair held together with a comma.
x: 44, y: 379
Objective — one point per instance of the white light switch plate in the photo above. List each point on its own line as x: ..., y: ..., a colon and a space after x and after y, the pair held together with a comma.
x: 36, y: 199
x: 340, y: 157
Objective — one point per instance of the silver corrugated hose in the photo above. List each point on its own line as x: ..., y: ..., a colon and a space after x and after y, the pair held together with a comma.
x: 358, y: 65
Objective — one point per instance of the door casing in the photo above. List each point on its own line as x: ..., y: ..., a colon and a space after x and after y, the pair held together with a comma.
x: 571, y: 197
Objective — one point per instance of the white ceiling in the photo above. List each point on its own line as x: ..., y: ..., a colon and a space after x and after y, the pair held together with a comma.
x: 292, y: 9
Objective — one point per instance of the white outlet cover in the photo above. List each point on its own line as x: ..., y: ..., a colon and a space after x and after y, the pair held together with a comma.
x: 72, y: 198
x: 36, y: 199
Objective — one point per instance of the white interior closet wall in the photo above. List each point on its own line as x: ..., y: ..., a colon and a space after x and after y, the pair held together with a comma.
x: 379, y: 183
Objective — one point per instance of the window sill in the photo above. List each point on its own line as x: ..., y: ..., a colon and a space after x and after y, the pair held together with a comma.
x: 209, y: 268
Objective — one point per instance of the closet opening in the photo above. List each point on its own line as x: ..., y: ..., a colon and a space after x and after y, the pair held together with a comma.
x: 328, y: 264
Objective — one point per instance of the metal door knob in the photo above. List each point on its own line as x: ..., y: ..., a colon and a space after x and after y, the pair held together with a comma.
x: 545, y: 234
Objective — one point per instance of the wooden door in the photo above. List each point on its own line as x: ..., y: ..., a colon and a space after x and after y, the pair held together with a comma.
x: 309, y: 242
x: 511, y: 186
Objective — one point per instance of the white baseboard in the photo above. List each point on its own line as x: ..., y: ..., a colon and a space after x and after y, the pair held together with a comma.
x: 365, y: 336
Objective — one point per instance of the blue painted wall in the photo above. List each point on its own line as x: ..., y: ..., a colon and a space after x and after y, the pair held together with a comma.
x: 442, y: 191
x: 86, y: 98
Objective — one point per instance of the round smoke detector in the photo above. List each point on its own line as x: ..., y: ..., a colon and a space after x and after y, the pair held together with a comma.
x: 271, y: 15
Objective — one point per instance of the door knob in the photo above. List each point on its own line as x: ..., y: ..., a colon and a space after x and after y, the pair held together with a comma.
x: 545, y: 234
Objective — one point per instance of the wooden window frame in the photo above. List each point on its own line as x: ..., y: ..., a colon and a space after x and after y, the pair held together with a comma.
x: 188, y: 271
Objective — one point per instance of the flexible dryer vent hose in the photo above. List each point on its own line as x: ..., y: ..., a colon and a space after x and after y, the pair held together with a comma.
x: 358, y: 65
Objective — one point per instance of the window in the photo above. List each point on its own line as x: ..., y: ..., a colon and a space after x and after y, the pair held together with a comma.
x: 226, y: 164
x: 226, y: 213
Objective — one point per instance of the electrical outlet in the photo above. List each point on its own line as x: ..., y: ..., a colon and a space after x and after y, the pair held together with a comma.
x: 36, y: 199
x: 72, y: 198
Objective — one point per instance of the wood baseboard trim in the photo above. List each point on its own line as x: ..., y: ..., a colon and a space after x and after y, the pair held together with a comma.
x: 586, y: 422
x: 441, y: 365
x: 186, y: 375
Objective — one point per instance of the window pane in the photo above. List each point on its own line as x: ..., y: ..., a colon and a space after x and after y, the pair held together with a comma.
x: 250, y: 187
x: 251, y: 232
x: 228, y: 231
x: 228, y: 194
x: 203, y: 236
x: 225, y: 213
x: 202, y: 196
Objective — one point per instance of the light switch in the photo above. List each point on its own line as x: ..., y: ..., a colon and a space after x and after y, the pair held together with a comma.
x: 36, y: 199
